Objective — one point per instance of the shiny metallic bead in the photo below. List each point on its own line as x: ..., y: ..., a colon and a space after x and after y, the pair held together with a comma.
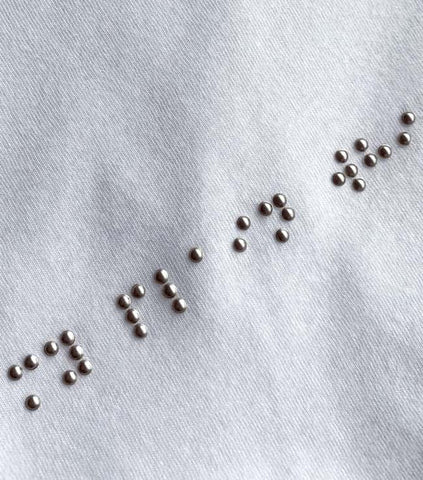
x: 32, y: 402
x: 288, y: 214
x: 70, y: 377
x: 370, y: 160
x: 279, y: 200
x: 140, y: 330
x: 132, y: 315
x: 124, y: 300
x: 179, y: 305
x: 51, y: 348
x: 385, y: 151
x: 243, y: 223
x: 196, y: 254
x: 265, y: 208
x: 408, y: 118
x: 404, y: 138
x: 138, y: 291
x: 170, y: 290
x: 338, y: 179
x: 282, y: 235
x: 76, y: 352
x: 85, y: 367
x: 341, y: 156
x: 68, y: 337
x: 351, y: 170
x: 15, y: 372
x: 240, y: 245
x: 161, y: 276
x: 361, y: 144
x: 359, y: 184
x: 31, y: 362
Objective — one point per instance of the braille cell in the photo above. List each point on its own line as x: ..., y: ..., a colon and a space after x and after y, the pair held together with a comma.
x: 240, y: 245
x: 338, y: 179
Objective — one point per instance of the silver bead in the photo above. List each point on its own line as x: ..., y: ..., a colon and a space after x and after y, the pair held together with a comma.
x: 359, y: 184
x: 68, y: 337
x: 140, y: 330
x: 265, y: 208
x: 70, y: 377
x: 288, y: 214
x: 385, y: 151
x: 132, y: 315
x: 408, y: 118
x: 31, y: 362
x: 85, y: 367
x: 404, y: 138
x: 338, y: 179
x: 240, y: 245
x: 279, y: 200
x: 243, y: 223
x: 51, y: 348
x: 341, y: 156
x: 138, y: 291
x: 76, y: 352
x: 15, y: 372
x: 282, y: 235
x: 370, y: 160
x: 361, y: 144
x: 170, y: 290
x: 124, y: 300
x: 161, y: 276
x: 179, y: 305
x: 196, y: 254
x: 33, y: 402
x: 351, y: 170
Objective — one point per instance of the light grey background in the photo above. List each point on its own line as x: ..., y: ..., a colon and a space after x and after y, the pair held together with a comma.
x: 131, y: 131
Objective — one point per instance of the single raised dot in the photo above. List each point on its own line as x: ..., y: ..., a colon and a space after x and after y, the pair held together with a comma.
x: 51, y: 348
x: 404, y: 138
x: 385, y: 151
x: 370, y: 160
x: 282, y: 235
x: 15, y: 372
x: 138, y: 291
x: 140, y: 330
x: 338, y: 179
x: 361, y: 144
x: 196, y: 254
x: 408, y: 118
x: 76, y: 352
x: 288, y: 214
x: 70, y: 377
x: 124, y: 300
x: 351, y: 170
x: 279, y: 200
x: 161, y: 276
x: 179, y: 305
x: 170, y: 290
x: 132, y: 315
x: 31, y: 362
x: 359, y: 184
x: 265, y: 208
x: 68, y: 337
x: 85, y: 367
x: 240, y: 245
x: 32, y: 402
x: 341, y: 156
x: 243, y: 223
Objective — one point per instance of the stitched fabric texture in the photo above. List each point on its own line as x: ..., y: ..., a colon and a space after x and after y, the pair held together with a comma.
x: 131, y: 132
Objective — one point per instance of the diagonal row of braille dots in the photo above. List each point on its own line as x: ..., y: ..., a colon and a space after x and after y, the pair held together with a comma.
x: 170, y: 290
x: 370, y: 159
x: 51, y: 348
x: 266, y: 209
x: 132, y: 314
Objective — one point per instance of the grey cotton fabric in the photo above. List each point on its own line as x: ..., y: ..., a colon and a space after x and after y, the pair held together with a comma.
x: 133, y: 131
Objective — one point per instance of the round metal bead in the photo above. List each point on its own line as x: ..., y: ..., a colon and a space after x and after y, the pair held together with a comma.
x: 243, y: 223
x: 70, y: 377
x: 85, y: 367
x: 51, y: 348
x: 196, y: 254
x: 31, y: 362
x: 162, y: 276
x: 240, y: 245
x: 33, y: 402
x: 338, y: 179
x: 179, y: 305
x: 288, y: 214
x: 132, y: 315
x: 385, y: 151
x: 341, y: 156
x: 370, y: 160
x: 15, y: 372
x: 138, y: 290
x: 404, y: 138
x: 351, y: 170
x: 170, y: 290
x: 361, y: 144
x: 282, y: 235
x: 408, y: 118
x: 265, y: 208
x: 124, y: 300
x: 76, y: 352
x: 279, y: 200
x: 68, y: 337
x: 359, y: 184
x: 140, y: 330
